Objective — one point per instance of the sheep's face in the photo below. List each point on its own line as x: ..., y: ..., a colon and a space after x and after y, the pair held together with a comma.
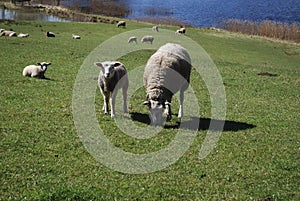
x: 156, y: 109
x: 108, y: 68
x: 44, y: 65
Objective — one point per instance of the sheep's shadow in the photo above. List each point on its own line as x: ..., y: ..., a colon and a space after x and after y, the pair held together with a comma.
x: 196, y: 123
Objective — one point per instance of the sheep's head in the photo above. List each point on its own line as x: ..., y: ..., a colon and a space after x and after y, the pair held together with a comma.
x: 44, y: 65
x: 108, y: 68
x: 156, y: 109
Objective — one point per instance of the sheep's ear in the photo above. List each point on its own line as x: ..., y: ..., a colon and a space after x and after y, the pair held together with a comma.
x: 117, y: 64
x: 38, y: 63
x: 98, y: 64
x: 49, y: 63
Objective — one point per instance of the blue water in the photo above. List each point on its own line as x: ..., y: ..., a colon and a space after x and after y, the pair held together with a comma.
x: 205, y: 13
x: 28, y: 15
x: 200, y: 13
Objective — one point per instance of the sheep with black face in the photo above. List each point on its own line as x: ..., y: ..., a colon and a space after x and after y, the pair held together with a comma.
x: 37, y: 71
x: 112, y: 77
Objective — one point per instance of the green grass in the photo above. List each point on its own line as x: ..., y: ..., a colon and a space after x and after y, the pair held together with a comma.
x: 43, y: 158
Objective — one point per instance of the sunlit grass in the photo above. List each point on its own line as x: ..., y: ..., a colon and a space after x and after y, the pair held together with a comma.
x: 43, y: 158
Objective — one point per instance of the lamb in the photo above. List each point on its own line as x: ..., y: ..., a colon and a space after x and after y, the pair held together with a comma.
x: 167, y: 72
x: 147, y: 39
x: 7, y: 33
x: 155, y: 28
x: 181, y: 31
x: 50, y: 34
x: 121, y: 24
x: 37, y: 71
x: 112, y: 77
x: 75, y: 36
x: 21, y: 35
x: 132, y: 39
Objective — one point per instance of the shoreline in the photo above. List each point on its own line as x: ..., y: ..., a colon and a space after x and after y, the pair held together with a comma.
x: 62, y: 12
x: 269, y: 29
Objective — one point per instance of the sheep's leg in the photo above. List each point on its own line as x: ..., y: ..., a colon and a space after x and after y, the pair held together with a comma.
x: 124, y: 91
x: 105, y: 103
x: 180, y: 112
x: 168, y: 112
x: 113, y: 103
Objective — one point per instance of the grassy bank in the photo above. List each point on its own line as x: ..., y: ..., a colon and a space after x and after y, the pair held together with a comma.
x: 271, y: 29
x: 42, y: 157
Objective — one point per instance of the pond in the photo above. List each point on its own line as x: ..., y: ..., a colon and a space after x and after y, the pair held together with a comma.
x: 200, y: 13
x: 28, y: 14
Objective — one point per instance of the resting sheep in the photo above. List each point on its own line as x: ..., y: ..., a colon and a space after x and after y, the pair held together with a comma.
x: 112, y: 77
x: 50, y: 34
x: 166, y: 72
x: 132, y: 39
x: 148, y: 39
x: 181, y: 31
x: 37, y: 71
x: 21, y: 35
x: 121, y: 24
x: 75, y: 36
x: 7, y: 33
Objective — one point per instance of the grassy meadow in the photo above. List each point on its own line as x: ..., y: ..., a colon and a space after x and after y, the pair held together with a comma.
x: 42, y: 157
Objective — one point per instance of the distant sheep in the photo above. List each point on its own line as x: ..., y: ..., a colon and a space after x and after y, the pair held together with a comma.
x: 181, y: 31
x: 7, y: 33
x: 121, y: 24
x: 75, y: 36
x: 166, y: 72
x: 148, y: 39
x: 37, y: 71
x: 50, y: 34
x: 112, y: 77
x: 21, y: 35
x: 155, y: 28
x: 132, y: 39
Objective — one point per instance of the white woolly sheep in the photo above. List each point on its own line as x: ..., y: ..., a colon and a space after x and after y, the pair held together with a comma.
x: 7, y: 33
x: 155, y: 28
x: 50, y: 34
x: 21, y: 35
x: 37, y: 71
x: 121, y: 24
x: 148, y: 39
x: 132, y: 39
x: 75, y: 36
x: 181, y: 31
x: 166, y: 72
x: 112, y: 77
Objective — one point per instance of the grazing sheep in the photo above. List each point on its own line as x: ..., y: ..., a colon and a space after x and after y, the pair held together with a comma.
x: 112, y: 77
x: 121, y: 24
x: 75, y: 36
x: 21, y: 35
x: 181, y: 31
x: 155, y: 28
x: 50, y: 34
x: 7, y: 33
x: 147, y: 39
x: 132, y: 39
x: 166, y: 72
x: 37, y: 71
